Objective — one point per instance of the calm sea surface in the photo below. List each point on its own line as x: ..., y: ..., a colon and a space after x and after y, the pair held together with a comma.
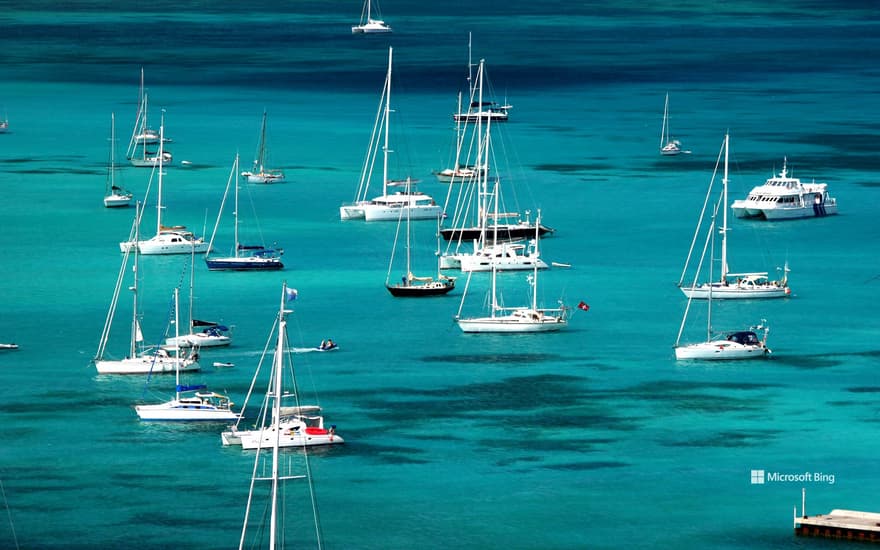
x: 594, y: 437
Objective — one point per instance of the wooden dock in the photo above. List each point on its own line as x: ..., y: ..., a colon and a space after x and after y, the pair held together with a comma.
x: 840, y: 524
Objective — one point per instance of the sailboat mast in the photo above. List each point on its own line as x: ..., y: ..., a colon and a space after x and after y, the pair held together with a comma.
x: 276, y: 415
x: 161, y: 155
x: 192, y: 282
x: 408, y: 235
x: 724, y: 215
x: 135, y: 326
x: 495, y: 241
x: 664, y: 130
x: 470, y: 69
x: 262, y: 152
x: 235, y: 210
x: 537, y: 257
x: 387, y: 124
x: 177, y: 342
x: 482, y: 158
x: 112, y: 175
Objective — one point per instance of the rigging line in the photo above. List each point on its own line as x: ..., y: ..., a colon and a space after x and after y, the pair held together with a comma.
x: 9, y: 514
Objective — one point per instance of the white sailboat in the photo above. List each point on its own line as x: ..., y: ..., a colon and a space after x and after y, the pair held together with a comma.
x: 259, y: 173
x: 143, y: 136
x: 168, y: 239
x: 516, y: 319
x: 279, y: 425
x: 254, y: 530
x: 243, y: 257
x: 114, y: 195
x: 140, y: 359
x: 751, y: 285
x: 211, y: 334
x: 721, y: 345
x: 189, y: 402
x: 388, y: 205
x: 668, y: 146
x: 367, y: 24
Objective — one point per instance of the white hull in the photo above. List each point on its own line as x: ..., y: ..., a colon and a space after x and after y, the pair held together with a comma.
x: 462, y: 174
x: 117, y: 201
x: 450, y: 262
x: 184, y: 411
x: 782, y: 197
x: 264, y: 177
x: 670, y: 150
x: 721, y: 350
x: 351, y: 212
x: 291, y: 436
x: 167, y: 243
x: 373, y: 26
x: 150, y: 162
x: 733, y: 292
x: 521, y: 320
x: 749, y: 209
x: 502, y: 257
x: 144, y: 364
x: 382, y: 212
x: 199, y: 340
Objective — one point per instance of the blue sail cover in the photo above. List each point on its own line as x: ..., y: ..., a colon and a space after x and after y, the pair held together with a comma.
x: 182, y: 388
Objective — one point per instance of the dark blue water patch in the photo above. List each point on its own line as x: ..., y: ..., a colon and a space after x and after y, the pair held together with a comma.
x: 864, y: 389
x: 517, y: 460
x: 533, y: 441
x: 843, y: 403
x: 572, y: 168
x: 728, y: 439
x: 125, y: 479
x: 389, y: 454
x: 809, y: 362
x: 504, y: 358
x: 587, y: 465
x: 59, y: 170
x: 654, y: 387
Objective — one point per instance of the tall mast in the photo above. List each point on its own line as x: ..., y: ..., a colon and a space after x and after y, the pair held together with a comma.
x: 235, y: 211
x: 724, y: 216
x: 385, y: 149
x: 161, y: 155
x: 177, y: 342
x: 276, y: 415
x: 135, y: 326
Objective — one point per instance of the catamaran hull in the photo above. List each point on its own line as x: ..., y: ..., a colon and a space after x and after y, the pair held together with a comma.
x: 265, y: 438
x: 393, y: 213
x: 744, y: 210
x: 721, y: 350
x: 482, y: 263
x: 351, y: 212
x: 165, y: 244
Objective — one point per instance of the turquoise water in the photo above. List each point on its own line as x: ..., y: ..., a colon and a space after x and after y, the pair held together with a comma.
x: 590, y: 438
